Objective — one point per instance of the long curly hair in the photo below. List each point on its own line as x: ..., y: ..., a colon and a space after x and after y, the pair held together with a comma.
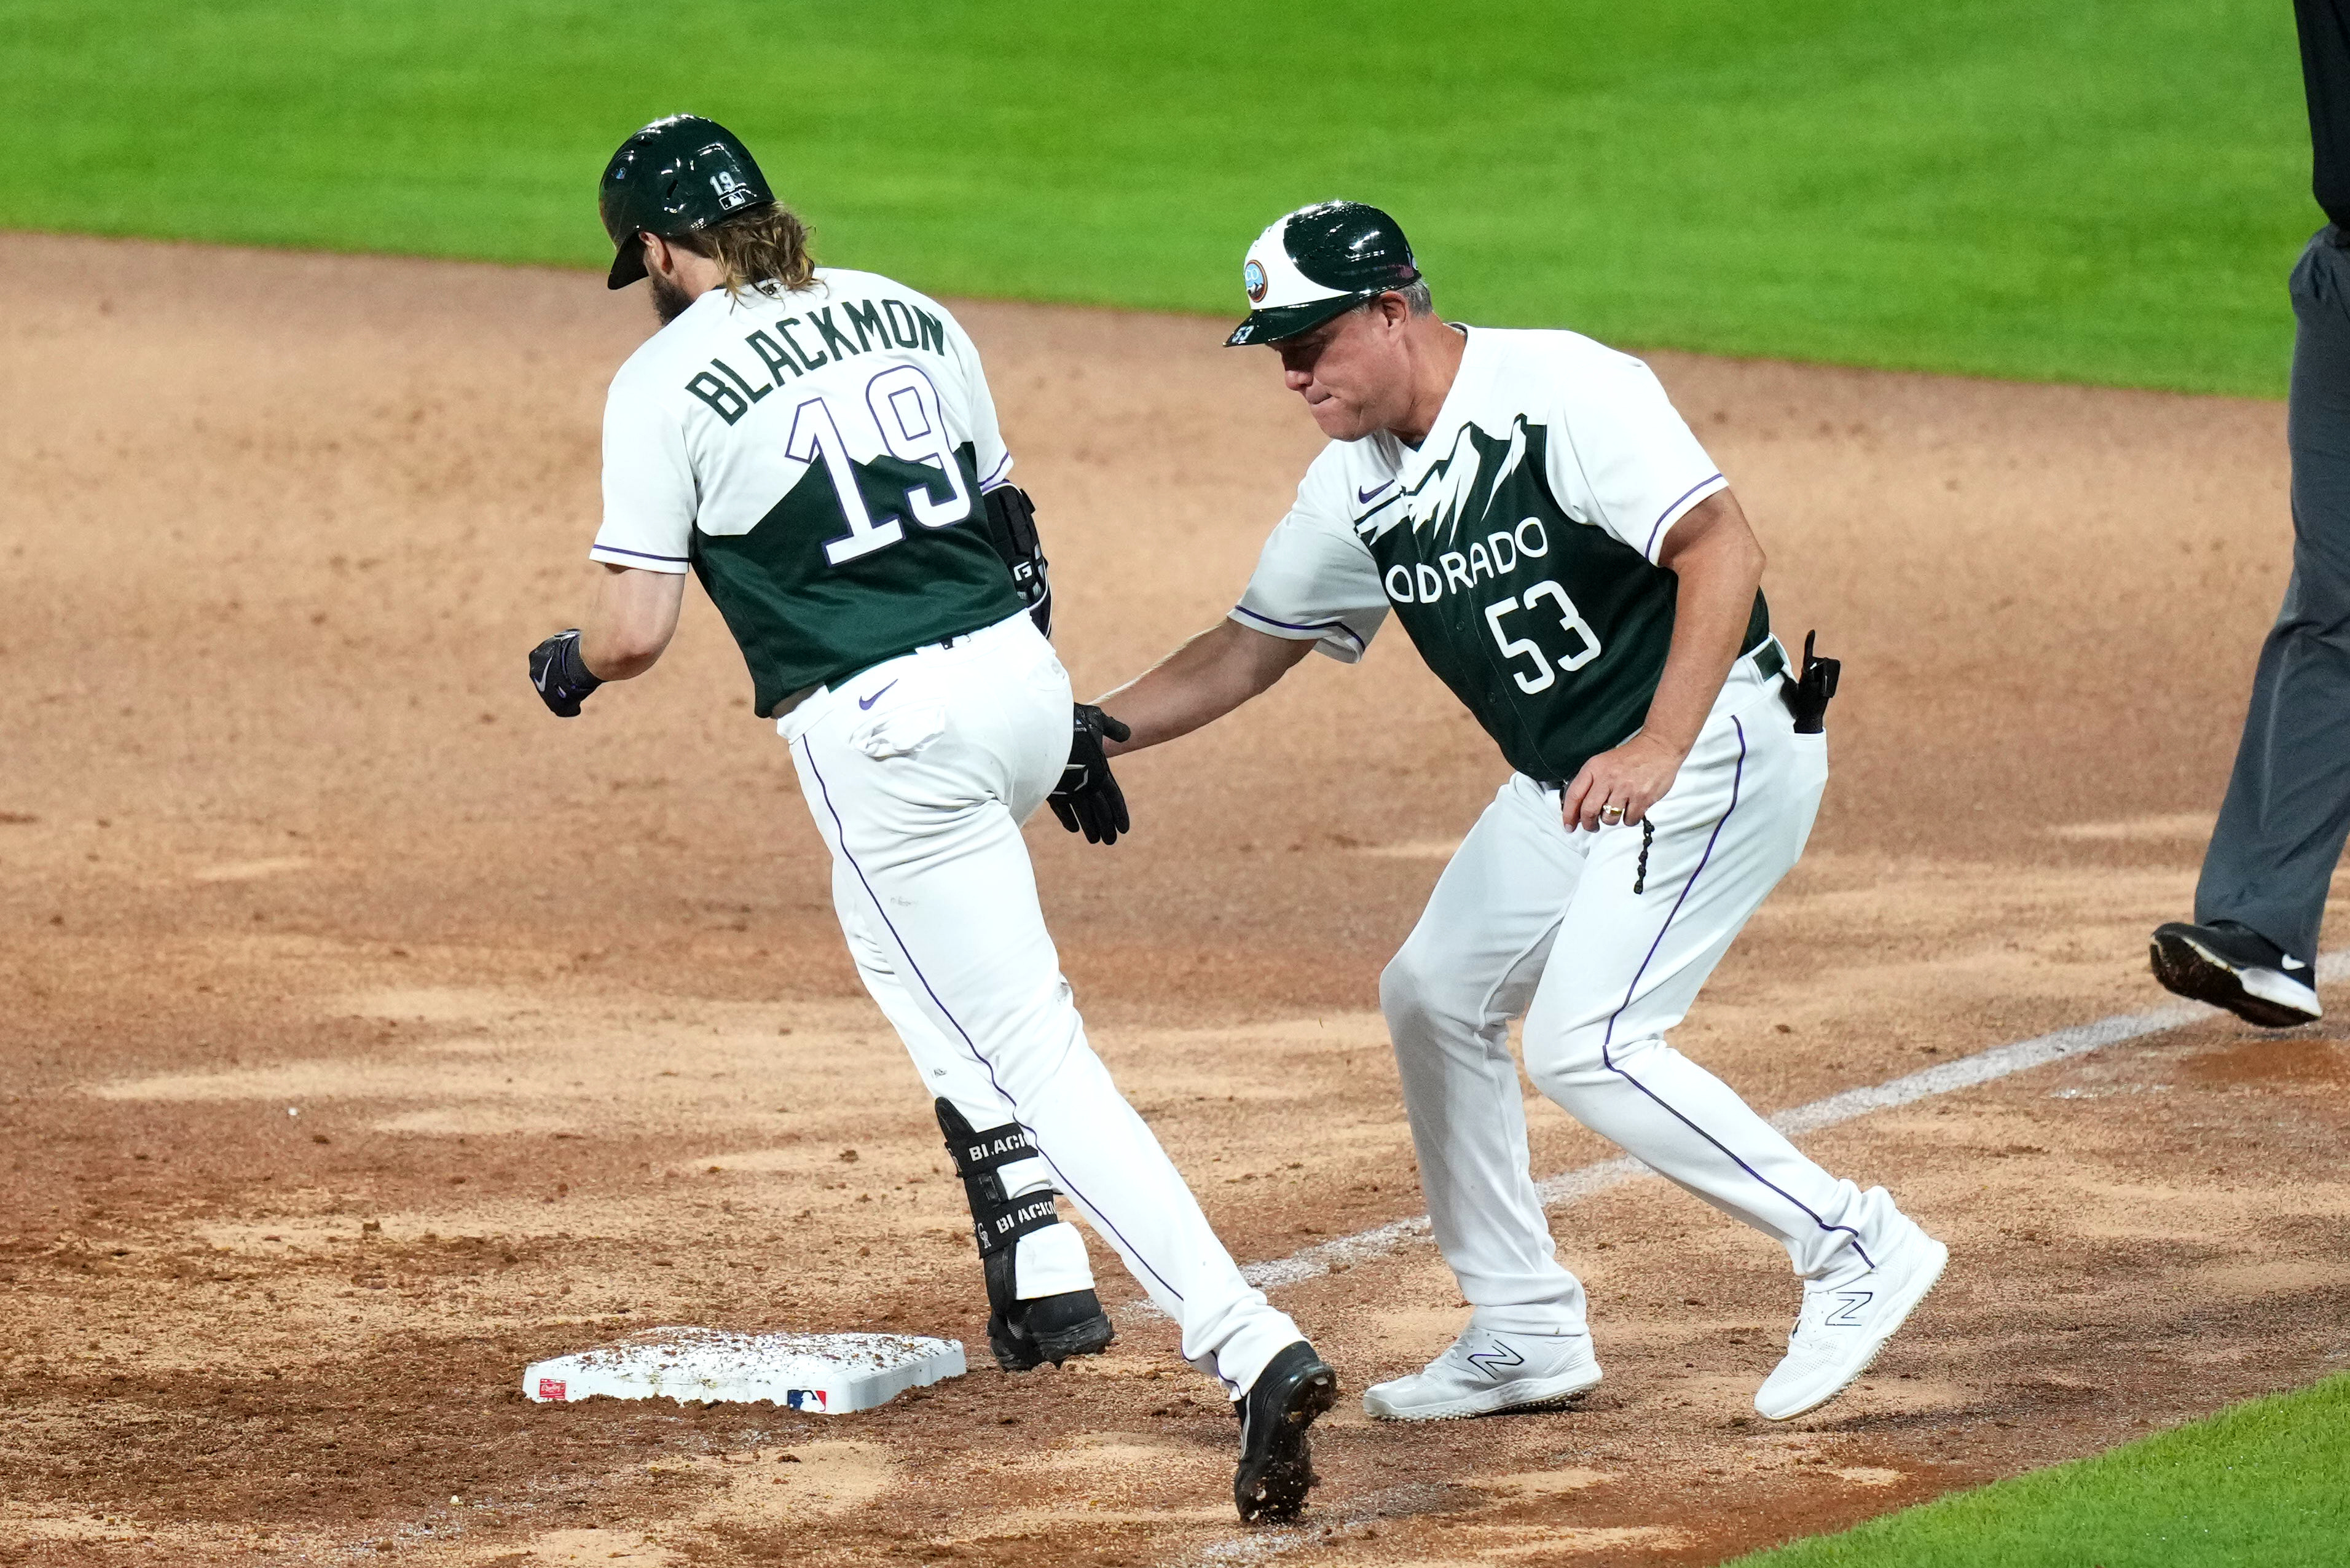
x: 765, y: 249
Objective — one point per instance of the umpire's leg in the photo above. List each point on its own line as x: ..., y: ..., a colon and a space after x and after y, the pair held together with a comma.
x: 2287, y: 812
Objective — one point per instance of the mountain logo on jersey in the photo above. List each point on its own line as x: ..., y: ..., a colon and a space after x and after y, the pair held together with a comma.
x: 1252, y: 279
x: 1460, y: 486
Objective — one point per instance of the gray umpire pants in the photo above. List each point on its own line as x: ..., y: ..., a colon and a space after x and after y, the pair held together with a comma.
x: 2287, y: 812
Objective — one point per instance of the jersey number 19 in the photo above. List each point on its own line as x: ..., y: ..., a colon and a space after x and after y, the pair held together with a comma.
x: 904, y: 407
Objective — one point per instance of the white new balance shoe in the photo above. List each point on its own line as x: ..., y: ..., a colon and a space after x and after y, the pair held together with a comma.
x: 1487, y: 1370
x: 1844, y: 1323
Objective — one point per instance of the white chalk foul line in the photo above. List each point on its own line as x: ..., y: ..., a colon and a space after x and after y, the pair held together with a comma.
x: 1965, y: 1073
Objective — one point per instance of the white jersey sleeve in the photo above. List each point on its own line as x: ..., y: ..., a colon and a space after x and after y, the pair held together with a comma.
x: 1628, y: 458
x: 1315, y: 579
x: 650, y: 495
x: 988, y: 453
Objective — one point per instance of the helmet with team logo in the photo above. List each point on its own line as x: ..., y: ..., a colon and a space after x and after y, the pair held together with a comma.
x: 676, y: 175
x: 1317, y: 262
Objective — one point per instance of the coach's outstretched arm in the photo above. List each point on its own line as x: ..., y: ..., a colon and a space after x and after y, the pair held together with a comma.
x: 1200, y: 682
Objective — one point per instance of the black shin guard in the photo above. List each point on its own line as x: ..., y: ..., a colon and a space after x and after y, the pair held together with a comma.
x: 997, y: 1220
x: 1022, y: 1333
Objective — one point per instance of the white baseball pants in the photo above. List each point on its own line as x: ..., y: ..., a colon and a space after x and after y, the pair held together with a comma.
x: 1531, y: 919
x: 918, y: 772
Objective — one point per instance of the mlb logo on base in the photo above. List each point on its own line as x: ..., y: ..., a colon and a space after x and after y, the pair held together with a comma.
x: 816, y: 1374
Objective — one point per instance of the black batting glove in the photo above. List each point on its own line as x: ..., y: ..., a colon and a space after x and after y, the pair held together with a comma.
x: 561, y: 675
x: 1088, y: 800
x: 1807, y: 695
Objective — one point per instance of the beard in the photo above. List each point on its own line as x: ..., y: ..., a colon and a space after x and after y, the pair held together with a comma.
x: 669, y: 301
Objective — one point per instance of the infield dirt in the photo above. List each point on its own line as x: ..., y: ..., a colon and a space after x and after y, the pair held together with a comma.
x: 365, y: 1033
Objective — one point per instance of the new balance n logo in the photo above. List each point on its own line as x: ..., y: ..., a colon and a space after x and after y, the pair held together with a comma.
x: 1850, y: 1304
x: 1494, y: 1361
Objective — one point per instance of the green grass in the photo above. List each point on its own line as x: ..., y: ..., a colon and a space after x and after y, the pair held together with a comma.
x: 2264, y: 1484
x: 2107, y: 190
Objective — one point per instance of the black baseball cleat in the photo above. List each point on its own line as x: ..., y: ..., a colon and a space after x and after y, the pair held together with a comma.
x: 2230, y: 965
x: 1276, y: 1466
x: 1049, y: 1328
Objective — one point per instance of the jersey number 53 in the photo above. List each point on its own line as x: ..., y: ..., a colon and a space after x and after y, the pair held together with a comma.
x: 1570, y: 620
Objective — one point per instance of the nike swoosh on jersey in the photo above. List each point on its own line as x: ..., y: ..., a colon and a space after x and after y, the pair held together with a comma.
x: 867, y: 703
x: 2292, y: 962
x: 1363, y: 495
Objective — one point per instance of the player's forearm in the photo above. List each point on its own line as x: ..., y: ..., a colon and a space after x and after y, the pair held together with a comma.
x: 1199, y: 683
x: 631, y: 615
x: 1719, y: 568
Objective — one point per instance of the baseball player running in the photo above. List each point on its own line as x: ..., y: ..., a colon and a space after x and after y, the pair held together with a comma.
x: 1573, y: 565
x: 819, y: 446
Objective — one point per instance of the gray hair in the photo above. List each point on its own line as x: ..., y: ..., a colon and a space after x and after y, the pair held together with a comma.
x: 1417, y: 299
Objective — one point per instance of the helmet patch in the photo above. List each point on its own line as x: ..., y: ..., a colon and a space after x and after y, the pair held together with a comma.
x: 1315, y: 262
x: 731, y: 193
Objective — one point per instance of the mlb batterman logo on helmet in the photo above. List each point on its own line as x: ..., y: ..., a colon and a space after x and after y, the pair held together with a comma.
x: 732, y: 192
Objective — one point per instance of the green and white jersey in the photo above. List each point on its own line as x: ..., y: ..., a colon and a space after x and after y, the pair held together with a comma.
x: 817, y: 458
x: 1517, y: 545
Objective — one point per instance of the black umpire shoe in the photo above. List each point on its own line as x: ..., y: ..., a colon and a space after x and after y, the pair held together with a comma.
x: 1276, y: 1461
x: 2230, y: 965
x: 1049, y: 1328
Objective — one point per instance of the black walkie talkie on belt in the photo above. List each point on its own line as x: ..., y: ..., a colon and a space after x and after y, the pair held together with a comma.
x: 1806, y: 696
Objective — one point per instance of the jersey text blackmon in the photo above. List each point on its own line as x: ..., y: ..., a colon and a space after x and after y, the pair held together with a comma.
x: 876, y: 324
x: 818, y: 458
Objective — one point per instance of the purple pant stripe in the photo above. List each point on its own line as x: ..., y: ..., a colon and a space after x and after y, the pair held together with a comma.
x: 841, y: 834
x: 1737, y: 780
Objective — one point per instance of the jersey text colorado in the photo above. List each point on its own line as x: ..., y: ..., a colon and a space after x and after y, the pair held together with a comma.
x: 1517, y: 545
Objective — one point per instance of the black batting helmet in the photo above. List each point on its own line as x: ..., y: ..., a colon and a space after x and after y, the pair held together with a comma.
x: 676, y: 175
